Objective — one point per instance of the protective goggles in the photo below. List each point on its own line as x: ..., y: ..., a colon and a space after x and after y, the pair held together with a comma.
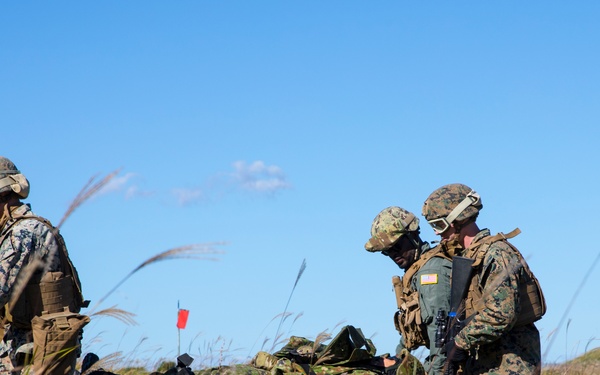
x: 442, y: 224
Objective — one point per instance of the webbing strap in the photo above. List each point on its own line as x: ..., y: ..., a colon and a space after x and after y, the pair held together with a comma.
x: 62, y: 322
x: 475, y: 253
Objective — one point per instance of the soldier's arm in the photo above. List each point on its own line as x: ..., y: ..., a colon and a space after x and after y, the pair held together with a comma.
x: 500, y: 298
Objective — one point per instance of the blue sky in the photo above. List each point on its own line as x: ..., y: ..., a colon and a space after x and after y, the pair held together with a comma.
x: 276, y: 131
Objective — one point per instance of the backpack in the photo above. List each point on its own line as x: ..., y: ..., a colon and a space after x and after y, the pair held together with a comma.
x: 348, y: 353
x: 533, y: 303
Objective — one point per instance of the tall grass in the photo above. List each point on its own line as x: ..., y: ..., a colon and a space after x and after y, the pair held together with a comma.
x: 193, y: 251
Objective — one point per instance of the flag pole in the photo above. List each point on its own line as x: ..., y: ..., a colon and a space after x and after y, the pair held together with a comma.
x: 182, y: 316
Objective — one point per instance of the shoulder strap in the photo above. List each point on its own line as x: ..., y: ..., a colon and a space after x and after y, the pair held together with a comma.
x: 478, y: 255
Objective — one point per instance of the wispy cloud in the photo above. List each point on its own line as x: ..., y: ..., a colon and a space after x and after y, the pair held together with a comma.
x: 255, y: 176
x: 187, y: 196
x: 118, y: 183
x: 259, y: 177
x: 125, y: 184
x: 134, y: 191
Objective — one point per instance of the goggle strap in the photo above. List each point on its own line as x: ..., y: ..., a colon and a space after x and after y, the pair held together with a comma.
x: 470, y: 199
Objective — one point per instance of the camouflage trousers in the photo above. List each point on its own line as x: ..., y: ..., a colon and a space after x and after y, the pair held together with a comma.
x: 16, y: 348
x: 518, y: 353
x: 267, y: 364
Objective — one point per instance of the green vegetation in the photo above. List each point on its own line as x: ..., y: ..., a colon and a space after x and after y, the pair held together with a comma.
x: 586, y: 364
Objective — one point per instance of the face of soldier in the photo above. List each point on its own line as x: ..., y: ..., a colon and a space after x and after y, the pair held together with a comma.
x: 402, y: 253
x: 448, y: 233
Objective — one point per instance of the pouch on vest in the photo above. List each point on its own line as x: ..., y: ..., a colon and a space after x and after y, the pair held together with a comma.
x: 56, y: 342
x: 533, y: 303
x: 52, y: 294
x: 531, y: 298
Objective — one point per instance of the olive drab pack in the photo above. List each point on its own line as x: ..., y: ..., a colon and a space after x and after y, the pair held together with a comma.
x: 407, y: 319
x: 49, y: 306
x: 348, y: 353
x: 533, y: 303
x: 56, y: 341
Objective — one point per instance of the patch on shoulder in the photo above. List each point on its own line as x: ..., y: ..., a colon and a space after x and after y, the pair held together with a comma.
x: 428, y: 279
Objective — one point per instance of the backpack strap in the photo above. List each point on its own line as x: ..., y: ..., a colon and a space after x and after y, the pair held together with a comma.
x: 475, y: 253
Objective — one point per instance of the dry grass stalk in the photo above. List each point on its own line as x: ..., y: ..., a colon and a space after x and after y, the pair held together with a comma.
x: 571, y: 303
x: 89, y: 190
x: 195, y: 251
x: 321, y: 338
x: 300, y: 272
x: 119, y: 314
x: 108, y: 362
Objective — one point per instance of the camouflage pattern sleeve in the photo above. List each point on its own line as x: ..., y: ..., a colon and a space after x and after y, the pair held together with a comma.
x: 433, y: 285
x: 500, y: 281
x: 26, y: 237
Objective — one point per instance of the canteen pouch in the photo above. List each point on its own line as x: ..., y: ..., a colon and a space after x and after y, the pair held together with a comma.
x: 57, y: 342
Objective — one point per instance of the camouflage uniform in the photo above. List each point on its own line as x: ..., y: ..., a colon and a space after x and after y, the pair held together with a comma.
x: 430, y: 280
x: 492, y: 340
x: 20, y: 243
x: 498, y: 346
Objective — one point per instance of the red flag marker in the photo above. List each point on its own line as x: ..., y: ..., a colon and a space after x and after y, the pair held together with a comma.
x: 182, y: 318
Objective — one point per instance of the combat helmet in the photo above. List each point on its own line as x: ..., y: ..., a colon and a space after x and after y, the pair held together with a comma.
x: 11, y: 179
x: 453, y: 202
x: 389, y: 226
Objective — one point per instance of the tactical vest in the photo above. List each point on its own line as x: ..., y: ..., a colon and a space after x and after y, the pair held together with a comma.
x: 54, y: 292
x: 408, y: 317
x: 532, y: 301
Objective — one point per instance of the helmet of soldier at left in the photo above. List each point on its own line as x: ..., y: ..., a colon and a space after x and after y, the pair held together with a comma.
x: 11, y: 179
x: 389, y: 226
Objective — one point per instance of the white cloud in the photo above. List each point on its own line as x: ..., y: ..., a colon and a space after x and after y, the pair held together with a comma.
x: 260, y: 177
x: 117, y: 183
x: 187, y: 196
x: 124, y: 183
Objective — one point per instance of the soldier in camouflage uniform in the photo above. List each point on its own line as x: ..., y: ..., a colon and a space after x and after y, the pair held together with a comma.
x: 395, y: 233
x: 22, y: 241
x: 495, y: 340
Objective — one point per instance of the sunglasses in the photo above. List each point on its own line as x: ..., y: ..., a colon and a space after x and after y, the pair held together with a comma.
x: 399, y: 247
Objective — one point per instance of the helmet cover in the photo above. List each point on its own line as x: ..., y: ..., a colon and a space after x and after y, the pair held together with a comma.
x: 11, y: 179
x: 442, y: 201
x: 389, y: 226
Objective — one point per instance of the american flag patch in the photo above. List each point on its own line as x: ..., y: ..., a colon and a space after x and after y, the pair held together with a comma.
x: 429, y: 279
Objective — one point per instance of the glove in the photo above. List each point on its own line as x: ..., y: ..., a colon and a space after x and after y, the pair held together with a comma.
x: 454, y: 353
